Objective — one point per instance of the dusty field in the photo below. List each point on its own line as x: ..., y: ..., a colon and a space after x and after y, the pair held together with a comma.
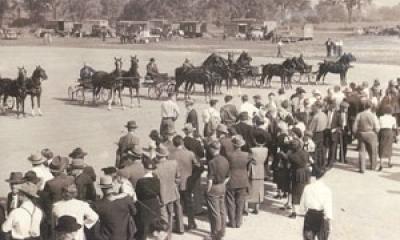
x: 365, y: 206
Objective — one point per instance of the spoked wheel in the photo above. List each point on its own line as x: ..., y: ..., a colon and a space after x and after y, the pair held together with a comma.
x: 79, y: 94
x: 192, y: 89
x: 10, y: 103
x: 153, y: 92
x: 71, y: 92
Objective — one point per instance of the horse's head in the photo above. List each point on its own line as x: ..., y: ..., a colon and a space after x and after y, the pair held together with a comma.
x: 347, y: 58
x: 118, y: 64
x: 39, y: 73
x: 244, y: 58
x: 134, y: 62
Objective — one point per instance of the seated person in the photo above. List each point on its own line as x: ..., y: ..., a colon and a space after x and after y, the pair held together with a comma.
x: 152, y: 69
x: 86, y: 74
x: 187, y: 65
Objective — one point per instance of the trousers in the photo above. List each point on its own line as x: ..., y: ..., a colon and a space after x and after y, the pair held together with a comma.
x: 168, y: 211
x: 187, y: 202
x: 167, y: 125
x: 368, y: 142
x: 216, y: 213
x: 315, y: 226
x: 235, y: 202
x: 320, y: 150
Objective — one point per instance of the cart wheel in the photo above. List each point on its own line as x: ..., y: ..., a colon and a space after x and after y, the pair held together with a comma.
x: 105, y: 94
x: 71, y: 92
x: 79, y: 94
x: 152, y: 92
x: 10, y: 103
x: 192, y: 89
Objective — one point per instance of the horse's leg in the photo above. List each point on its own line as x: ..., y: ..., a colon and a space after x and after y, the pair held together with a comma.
x: 138, y: 95
x: 131, y: 95
x: 38, y: 97
x: 23, y: 105
x: 323, y: 79
x: 120, y: 98
x: 110, y: 99
x: 33, y: 105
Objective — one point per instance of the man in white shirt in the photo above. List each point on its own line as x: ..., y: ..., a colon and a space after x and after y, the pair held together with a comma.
x: 316, y: 201
x: 24, y: 222
x: 40, y: 169
x: 211, y: 118
x: 169, y: 114
x: 248, y: 107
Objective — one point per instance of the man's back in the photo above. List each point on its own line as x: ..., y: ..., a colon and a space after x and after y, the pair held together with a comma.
x: 115, y: 218
x: 53, y: 187
x: 238, y: 162
x: 229, y: 114
x: 129, y: 141
x: 167, y: 172
x: 133, y: 172
x: 185, y: 160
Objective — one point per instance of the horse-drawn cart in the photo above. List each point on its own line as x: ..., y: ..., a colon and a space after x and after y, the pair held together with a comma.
x: 158, y: 86
x: 77, y: 92
x: 252, y: 76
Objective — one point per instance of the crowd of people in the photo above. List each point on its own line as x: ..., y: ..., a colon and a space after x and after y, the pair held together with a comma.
x: 292, y: 141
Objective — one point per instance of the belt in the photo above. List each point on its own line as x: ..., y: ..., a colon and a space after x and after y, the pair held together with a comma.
x: 315, y: 211
x: 167, y: 118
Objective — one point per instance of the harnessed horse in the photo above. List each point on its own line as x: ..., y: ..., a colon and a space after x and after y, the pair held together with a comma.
x: 16, y: 88
x: 132, y: 79
x: 34, y: 87
x: 341, y: 66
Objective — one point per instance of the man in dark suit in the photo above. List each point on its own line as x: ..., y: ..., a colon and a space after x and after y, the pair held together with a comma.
x: 84, y: 183
x: 334, y: 129
x: 192, y: 117
x: 355, y: 107
x: 245, y: 130
x: 238, y: 183
x: 115, y: 212
x: 167, y: 172
x: 186, y: 162
x: 128, y: 142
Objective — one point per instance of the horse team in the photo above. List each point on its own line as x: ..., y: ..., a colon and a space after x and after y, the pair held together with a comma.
x: 211, y: 74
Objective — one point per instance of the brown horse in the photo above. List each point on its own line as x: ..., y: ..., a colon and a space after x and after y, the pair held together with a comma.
x: 34, y: 87
x: 131, y: 79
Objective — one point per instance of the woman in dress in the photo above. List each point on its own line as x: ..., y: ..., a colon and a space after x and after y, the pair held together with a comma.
x: 299, y: 161
x: 148, y: 218
x: 387, y: 126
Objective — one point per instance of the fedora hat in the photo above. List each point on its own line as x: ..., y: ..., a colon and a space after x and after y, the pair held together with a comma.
x: 106, y: 182
x: 188, y: 128
x: 29, y: 189
x: 67, y: 224
x: 36, y: 159
x: 238, y: 141
x: 148, y: 163
x: 15, y: 178
x: 77, y: 164
x: 162, y: 151
x: 31, y: 176
x: 77, y: 153
x: 131, y: 124
x: 109, y: 170
x: 222, y: 128
x: 58, y: 164
x: 47, y: 153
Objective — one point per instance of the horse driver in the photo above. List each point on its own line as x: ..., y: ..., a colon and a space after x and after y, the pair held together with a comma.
x: 301, y: 62
x: 86, y: 74
x: 187, y: 65
x: 152, y: 69
x: 230, y: 60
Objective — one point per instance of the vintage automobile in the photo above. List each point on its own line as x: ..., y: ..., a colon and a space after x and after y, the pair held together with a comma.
x: 10, y: 34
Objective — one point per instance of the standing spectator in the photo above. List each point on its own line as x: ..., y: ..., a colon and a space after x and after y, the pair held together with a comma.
x: 192, y: 117
x: 333, y: 133
x: 13, y: 199
x: 245, y: 130
x: 84, y: 182
x: 259, y: 155
x: 134, y: 168
x: 317, y: 205
x: 238, y: 182
x: 186, y: 161
x: 115, y: 212
x: 128, y: 142
x: 354, y: 101
x: 329, y: 45
x: 40, y: 169
x: 211, y: 119
x: 299, y: 160
x: 24, y: 221
x: 279, y: 46
x: 67, y: 228
x: 248, y: 107
x: 167, y: 172
x: 148, y: 218
x: 71, y: 206
x: 387, y: 125
x: 225, y: 139
x: 218, y: 175
x: 366, y: 128
x: 344, y: 131
x: 169, y: 114
x: 375, y: 93
x: 229, y: 113
x: 318, y: 126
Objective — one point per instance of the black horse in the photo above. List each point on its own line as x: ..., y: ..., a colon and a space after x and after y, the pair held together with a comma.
x: 131, y: 79
x: 285, y: 71
x: 17, y: 89
x: 111, y: 81
x: 341, y: 67
x: 34, y: 87
x: 242, y: 69
x: 221, y: 70
x: 197, y: 75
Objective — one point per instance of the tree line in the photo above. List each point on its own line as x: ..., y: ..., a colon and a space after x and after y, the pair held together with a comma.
x: 215, y: 11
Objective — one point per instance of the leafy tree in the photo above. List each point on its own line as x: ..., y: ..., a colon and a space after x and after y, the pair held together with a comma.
x: 351, y: 5
x: 4, y: 6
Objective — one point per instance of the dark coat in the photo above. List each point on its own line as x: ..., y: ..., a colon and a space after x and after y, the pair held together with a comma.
x: 85, y: 186
x: 238, y: 166
x: 116, y: 218
x: 167, y: 172
x: 53, y: 188
x: 193, y: 119
x: 127, y: 142
x: 226, y: 146
x: 247, y: 133
x: 186, y: 161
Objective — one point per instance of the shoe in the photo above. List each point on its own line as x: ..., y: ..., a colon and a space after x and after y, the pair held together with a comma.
x: 380, y: 168
x: 390, y: 165
x: 293, y: 215
x: 255, y: 211
x: 278, y: 196
x: 361, y: 171
x: 284, y: 195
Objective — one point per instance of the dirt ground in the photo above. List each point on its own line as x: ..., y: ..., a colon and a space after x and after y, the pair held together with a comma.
x: 365, y: 206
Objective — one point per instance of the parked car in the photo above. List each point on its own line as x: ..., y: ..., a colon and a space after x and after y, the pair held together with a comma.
x: 10, y: 34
